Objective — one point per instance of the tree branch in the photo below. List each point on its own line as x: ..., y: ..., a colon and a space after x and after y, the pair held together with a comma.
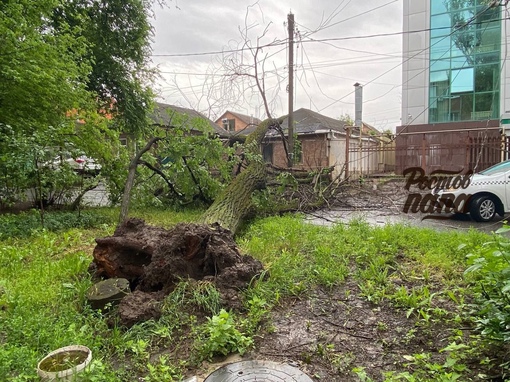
x: 162, y: 175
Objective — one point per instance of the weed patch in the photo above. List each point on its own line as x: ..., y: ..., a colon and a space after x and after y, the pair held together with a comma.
x: 346, y: 303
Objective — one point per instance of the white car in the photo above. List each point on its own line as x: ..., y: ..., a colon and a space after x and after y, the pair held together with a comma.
x: 84, y: 164
x: 487, y: 194
x: 81, y: 164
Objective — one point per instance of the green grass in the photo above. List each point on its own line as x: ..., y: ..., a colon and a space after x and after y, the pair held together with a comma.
x: 44, y: 279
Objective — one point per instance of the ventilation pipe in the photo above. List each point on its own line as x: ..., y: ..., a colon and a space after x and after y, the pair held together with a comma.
x: 358, y: 104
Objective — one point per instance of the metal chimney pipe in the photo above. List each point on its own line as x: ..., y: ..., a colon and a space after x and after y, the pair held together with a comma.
x: 358, y: 104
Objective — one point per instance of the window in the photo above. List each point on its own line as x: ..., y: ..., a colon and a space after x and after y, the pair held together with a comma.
x: 462, y: 81
x: 464, y: 67
x: 229, y: 124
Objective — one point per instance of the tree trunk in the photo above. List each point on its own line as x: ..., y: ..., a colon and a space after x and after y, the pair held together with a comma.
x: 124, y: 207
x: 235, y: 201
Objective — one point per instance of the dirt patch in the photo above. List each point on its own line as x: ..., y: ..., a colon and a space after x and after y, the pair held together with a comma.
x: 329, y: 333
x: 154, y: 260
x: 332, y: 332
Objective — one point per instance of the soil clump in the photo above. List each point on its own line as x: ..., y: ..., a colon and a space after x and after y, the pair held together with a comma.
x: 155, y: 259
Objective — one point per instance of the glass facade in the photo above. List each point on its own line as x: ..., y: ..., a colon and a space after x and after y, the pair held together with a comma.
x: 465, y: 45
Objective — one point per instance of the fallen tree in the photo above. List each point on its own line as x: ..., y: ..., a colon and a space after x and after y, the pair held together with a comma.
x: 235, y: 202
x: 154, y: 259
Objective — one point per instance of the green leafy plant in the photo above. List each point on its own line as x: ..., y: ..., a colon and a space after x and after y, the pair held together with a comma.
x: 163, y: 371
x: 28, y: 223
x: 425, y: 369
x: 490, y: 269
x: 221, y: 337
x: 258, y: 310
x: 362, y: 374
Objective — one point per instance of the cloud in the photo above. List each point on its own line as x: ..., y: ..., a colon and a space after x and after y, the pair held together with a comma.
x: 327, y: 64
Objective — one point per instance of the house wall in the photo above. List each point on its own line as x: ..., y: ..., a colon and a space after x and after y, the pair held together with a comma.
x: 314, y: 149
x: 329, y: 150
x: 239, y: 124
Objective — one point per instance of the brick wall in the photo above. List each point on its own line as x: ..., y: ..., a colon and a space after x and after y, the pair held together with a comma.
x: 314, y: 149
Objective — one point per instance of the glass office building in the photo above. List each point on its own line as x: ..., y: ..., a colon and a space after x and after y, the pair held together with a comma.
x: 465, y: 45
x: 455, y: 84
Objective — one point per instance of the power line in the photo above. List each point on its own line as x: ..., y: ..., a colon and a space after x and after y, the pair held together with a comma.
x: 353, y: 17
x: 469, y: 22
x: 326, y: 64
x: 284, y: 42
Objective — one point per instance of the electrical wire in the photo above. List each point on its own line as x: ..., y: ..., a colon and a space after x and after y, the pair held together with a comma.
x: 325, y: 64
x: 281, y: 42
x: 356, y: 16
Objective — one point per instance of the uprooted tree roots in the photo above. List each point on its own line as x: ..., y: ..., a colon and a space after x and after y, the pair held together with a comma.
x: 154, y: 260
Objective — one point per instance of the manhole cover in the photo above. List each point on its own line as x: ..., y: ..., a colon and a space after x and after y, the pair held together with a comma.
x: 259, y: 371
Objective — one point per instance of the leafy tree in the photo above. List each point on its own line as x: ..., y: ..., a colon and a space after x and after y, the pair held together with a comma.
x: 182, y: 163
x: 119, y: 34
x: 63, y: 62
x: 41, y: 80
x: 347, y: 119
x: 41, y: 77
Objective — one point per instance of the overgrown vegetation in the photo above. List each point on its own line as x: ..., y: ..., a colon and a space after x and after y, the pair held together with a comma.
x: 92, y: 83
x: 28, y: 223
x: 419, y: 275
x: 490, y: 272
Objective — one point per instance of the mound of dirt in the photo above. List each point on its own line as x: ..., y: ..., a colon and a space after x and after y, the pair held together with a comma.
x: 154, y: 260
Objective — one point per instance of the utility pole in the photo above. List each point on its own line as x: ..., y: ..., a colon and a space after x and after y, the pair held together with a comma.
x: 290, y: 118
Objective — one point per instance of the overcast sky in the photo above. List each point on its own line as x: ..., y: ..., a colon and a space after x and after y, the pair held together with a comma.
x: 198, y: 44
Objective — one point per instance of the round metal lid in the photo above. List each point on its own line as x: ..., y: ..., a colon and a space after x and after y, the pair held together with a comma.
x: 258, y: 371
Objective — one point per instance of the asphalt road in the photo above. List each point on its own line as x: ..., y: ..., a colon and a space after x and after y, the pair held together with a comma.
x: 379, y: 218
x: 388, y: 214
x: 96, y: 197
x: 382, y: 202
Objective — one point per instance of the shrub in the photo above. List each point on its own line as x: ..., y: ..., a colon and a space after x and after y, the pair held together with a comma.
x: 490, y: 265
x: 27, y: 223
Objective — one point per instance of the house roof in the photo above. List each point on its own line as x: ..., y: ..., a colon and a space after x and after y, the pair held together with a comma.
x: 310, y: 122
x: 367, y: 129
x: 162, y: 115
x: 246, y: 131
x: 248, y: 119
